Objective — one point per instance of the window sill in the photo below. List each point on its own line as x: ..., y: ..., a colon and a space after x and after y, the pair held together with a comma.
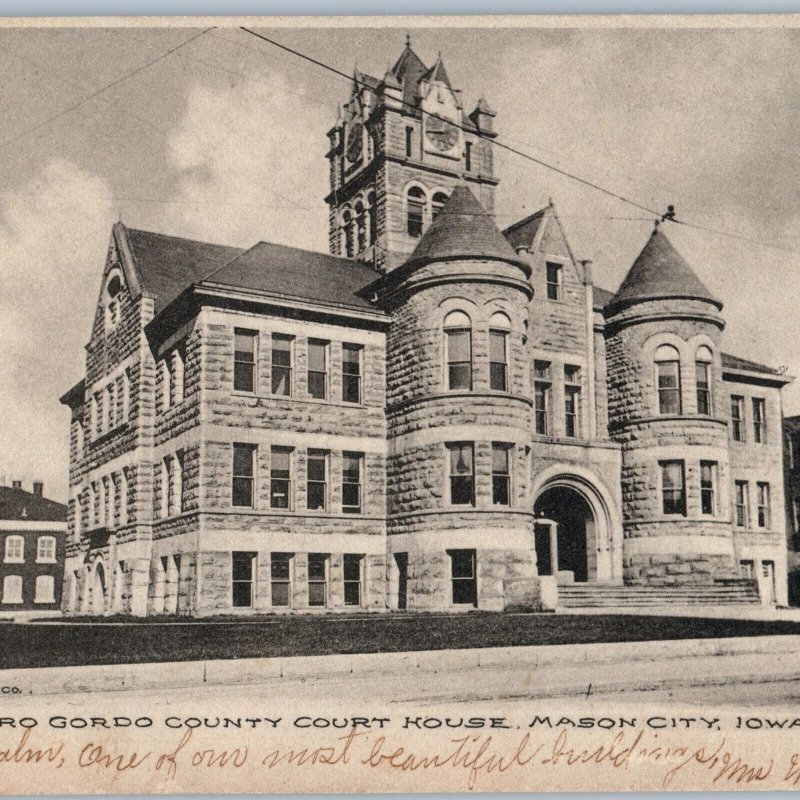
x: 14, y: 561
x: 46, y: 561
x: 48, y: 600
x: 12, y: 602
x: 295, y: 399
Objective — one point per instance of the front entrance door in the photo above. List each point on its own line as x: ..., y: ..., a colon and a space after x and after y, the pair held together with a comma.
x: 544, y: 554
x: 575, y: 530
x: 98, y: 590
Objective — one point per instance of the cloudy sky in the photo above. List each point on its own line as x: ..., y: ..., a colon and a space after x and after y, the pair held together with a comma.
x: 224, y: 140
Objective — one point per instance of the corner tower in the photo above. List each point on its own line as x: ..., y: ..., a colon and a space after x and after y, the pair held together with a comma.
x: 398, y: 148
x: 665, y: 407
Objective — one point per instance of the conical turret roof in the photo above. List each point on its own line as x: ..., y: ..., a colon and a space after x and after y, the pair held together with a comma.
x: 463, y: 230
x: 660, y: 272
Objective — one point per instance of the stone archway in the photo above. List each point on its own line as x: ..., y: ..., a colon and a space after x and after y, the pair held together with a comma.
x: 98, y: 588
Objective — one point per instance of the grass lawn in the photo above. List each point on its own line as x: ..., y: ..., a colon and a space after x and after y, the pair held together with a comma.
x: 47, y: 645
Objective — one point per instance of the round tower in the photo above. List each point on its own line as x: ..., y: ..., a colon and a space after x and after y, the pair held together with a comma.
x: 665, y: 406
x: 458, y: 413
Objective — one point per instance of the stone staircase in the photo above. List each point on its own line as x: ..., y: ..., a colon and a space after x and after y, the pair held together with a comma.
x: 723, y: 592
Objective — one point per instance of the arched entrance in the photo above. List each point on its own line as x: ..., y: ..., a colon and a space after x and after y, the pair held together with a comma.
x: 98, y: 589
x: 566, y: 534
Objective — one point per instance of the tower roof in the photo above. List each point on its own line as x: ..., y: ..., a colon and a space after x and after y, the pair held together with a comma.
x: 464, y: 230
x: 437, y: 72
x: 409, y: 69
x: 660, y: 272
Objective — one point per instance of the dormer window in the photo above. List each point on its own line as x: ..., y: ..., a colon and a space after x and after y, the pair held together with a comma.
x: 113, y: 297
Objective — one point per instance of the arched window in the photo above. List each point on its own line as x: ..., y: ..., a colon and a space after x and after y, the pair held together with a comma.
x: 499, y: 328
x: 437, y: 203
x: 347, y: 231
x: 702, y: 369
x: 458, y: 350
x: 361, y: 227
x: 372, y: 218
x: 113, y: 290
x: 416, y: 202
x: 668, y: 373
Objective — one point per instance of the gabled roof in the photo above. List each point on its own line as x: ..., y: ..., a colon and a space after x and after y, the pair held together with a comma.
x: 660, y: 272
x: 293, y: 273
x: 463, y: 230
x: 522, y: 233
x: 734, y: 362
x: 437, y: 73
x: 166, y: 265
x: 17, y: 504
x: 409, y: 70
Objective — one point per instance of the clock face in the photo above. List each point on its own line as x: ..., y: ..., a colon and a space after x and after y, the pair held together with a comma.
x: 441, y: 134
x: 355, y: 141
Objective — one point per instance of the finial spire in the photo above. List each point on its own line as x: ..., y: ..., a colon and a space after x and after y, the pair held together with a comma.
x: 408, y: 39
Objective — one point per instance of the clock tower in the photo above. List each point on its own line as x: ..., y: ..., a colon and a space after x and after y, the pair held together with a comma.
x: 399, y: 146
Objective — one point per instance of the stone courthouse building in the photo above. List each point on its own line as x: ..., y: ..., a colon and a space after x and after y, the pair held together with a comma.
x: 439, y: 415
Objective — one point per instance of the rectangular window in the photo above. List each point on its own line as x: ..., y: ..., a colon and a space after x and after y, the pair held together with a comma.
x: 742, y: 491
x: 352, y: 579
x: 46, y: 550
x: 15, y: 550
x: 282, y: 365
x: 542, y: 387
x: 242, y: 571
x: 703, y: 382
x: 669, y: 387
x: 45, y: 589
x: 317, y: 369
x: 462, y: 475
x: 572, y: 401
x: 763, y: 505
x: 459, y: 358
x: 244, y: 360
x: 166, y: 487
x: 351, y: 373
x: 243, y: 475
x: 281, y: 579
x: 317, y: 480
x: 501, y: 474
x: 351, y: 483
x: 409, y: 141
x: 280, y: 477
x: 759, y: 421
x: 747, y: 569
x: 554, y: 280
x: 498, y: 361
x: 468, y: 156
x: 177, y: 360
x: 12, y: 589
x: 673, y: 488
x: 737, y: 419
x: 317, y: 580
x: 463, y: 576
x: 708, y: 488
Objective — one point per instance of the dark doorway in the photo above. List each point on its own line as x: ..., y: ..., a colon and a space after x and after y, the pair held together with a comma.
x: 544, y: 556
x: 401, y: 559
x: 576, y: 527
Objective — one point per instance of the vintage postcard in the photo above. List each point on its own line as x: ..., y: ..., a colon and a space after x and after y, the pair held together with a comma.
x: 399, y: 404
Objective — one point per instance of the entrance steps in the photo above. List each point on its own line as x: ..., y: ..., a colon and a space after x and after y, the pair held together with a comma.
x: 725, y: 592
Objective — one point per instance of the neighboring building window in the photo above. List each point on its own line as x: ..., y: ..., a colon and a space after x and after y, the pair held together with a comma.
x: 708, y: 487
x: 437, y: 204
x: 317, y: 580
x: 415, y: 201
x: 668, y: 373
x: 501, y: 474
x: 462, y: 475
x: 317, y: 369
x: 351, y: 483
x: 280, y: 477
x: 282, y: 365
x: 12, y: 589
x: 673, y: 488
x: 409, y: 141
x: 499, y: 326
x: 317, y: 480
x: 759, y: 421
x: 242, y: 570
x: 742, y: 500
x: 542, y: 386
x: 351, y: 373
x: 763, y: 505
x: 737, y: 418
x: 352, y: 579
x: 468, y: 156
x: 243, y: 475
x: 572, y: 401
x: 45, y: 589
x: 702, y: 371
x: 458, y: 346
x: 46, y: 550
x: 281, y: 579
x: 244, y: 360
x: 15, y: 550
x: 463, y: 576
x: 554, y: 281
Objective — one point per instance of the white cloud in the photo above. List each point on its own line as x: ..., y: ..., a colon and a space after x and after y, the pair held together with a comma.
x: 52, y: 233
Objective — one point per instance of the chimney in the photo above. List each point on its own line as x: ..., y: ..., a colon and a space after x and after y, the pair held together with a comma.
x: 38, y: 488
x: 16, y: 484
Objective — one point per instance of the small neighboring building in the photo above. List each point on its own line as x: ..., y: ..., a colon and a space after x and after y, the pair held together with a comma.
x: 32, y: 536
x: 791, y: 471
